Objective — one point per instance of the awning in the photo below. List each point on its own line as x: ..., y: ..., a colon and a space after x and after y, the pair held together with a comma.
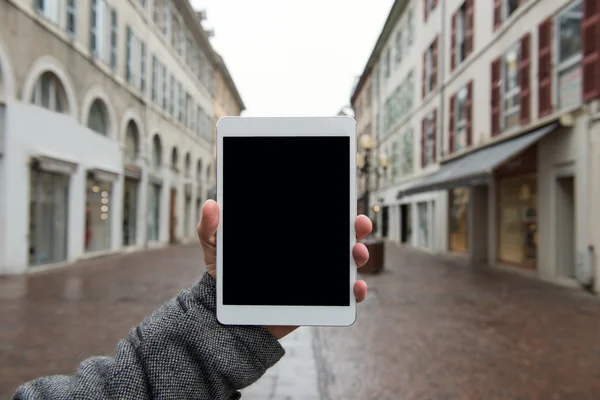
x: 476, y: 168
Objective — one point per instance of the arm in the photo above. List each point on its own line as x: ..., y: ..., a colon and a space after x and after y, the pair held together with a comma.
x: 180, y: 352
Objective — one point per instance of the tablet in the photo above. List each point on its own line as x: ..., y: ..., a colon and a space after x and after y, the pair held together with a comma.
x: 286, y: 188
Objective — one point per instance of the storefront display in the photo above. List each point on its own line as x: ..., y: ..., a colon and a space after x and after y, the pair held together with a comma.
x: 153, y: 212
x: 423, y: 218
x: 517, y: 220
x: 459, y: 225
x: 98, y: 209
x: 48, y: 214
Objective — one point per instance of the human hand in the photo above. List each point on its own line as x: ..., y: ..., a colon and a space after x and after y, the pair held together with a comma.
x: 207, y: 233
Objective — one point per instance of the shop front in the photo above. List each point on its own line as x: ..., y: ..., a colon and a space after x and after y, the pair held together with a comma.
x: 99, y: 207
x: 131, y: 189
x: 458, y: 200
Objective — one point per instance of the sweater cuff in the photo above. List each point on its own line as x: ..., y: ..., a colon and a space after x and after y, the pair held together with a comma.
x: 257, y: 339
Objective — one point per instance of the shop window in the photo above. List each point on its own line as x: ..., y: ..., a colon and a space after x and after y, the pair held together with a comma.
x: 98, y: 118
x: 98, y: 209
x: 511, y: 89
x: 568, y: 57
x: 49, y: 93
x: 517, y: 221
x: 423, y: 218
x: 459, y: 225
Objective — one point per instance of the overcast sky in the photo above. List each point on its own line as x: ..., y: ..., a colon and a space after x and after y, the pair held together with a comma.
x: 294, y: 57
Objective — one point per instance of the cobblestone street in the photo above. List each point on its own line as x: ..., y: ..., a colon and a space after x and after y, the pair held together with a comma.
x: 430, y: 329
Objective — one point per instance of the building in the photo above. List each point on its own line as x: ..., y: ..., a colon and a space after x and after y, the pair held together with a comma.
x: 105, y: 134
x: 491, y: 133
x: 226, y: 102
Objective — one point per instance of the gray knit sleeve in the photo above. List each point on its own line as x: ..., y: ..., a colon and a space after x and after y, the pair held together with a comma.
x: 180, y: 352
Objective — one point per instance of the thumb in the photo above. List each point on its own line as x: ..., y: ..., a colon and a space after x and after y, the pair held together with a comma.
x: 209, y: 222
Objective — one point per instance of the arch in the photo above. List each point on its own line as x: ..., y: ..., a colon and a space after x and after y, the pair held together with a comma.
x: 7, y: 76
x: 131, y: 115
x: 132, y: 142
x: 174, y: 158
x: 199, y: 169
x: 188, y: 164
x: 50, y: 64
x: 156, y: 158
x: 94, y: 94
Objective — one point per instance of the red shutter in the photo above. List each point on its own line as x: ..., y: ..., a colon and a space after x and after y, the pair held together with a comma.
x: 495, y: 97
x: 590, y: 43
x: 545, y: 68
x: 497, y: 14
x: 425, y: 10
x: 525, y: 79
x: 423, y: 126
x: 453, y: 44
x: 434, y: 135
x: 469, y: 113
x: 451, y: 131
x: 470, y: 28
x: 435, y: 62
x: 424, y: 74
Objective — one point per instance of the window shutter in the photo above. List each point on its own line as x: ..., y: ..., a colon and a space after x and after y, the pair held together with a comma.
x: 424, y: 74
x: 423, y: 126
x: 435, y: 63
x: 469, y: 113
x: 453, y: 44
x: 425, y: 10
x: 451, y: 124
x: 497, y: 14
x: 590, y: 49
x: 435, y: 132
x: 525, y: 80
x: 495, y: 97
x: 470, y: 28
x: 545, y: 68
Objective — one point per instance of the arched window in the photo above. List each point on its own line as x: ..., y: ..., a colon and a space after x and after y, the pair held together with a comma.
x: 156, y: 153
x: 132, y: 142
x: 199, y: 170
x: 98, y: 117
x: 49, y: 93
x: 188, y: 164
x: 174, y: 159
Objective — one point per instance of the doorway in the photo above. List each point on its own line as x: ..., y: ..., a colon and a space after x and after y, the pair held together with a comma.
x: 565, y: 226
x: 172, y: 216
x: 385, y: 211
x: 405, y: 224
x: 129, y: 212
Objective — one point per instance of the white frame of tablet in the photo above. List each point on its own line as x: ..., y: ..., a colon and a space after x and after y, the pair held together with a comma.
x: 287, y: 315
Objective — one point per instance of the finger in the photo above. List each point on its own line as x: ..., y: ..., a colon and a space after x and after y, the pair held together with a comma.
x: 363, y: 227
x: 360, y: 291
x: 360, y: 254
x: 207, y: 227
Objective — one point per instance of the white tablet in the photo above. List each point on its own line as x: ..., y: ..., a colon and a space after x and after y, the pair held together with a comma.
x: 286, y: 188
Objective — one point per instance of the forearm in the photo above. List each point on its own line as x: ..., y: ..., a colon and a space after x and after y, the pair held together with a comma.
x: 180, y: 351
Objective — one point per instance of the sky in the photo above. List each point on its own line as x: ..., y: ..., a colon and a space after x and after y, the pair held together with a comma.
x: 294, y: 57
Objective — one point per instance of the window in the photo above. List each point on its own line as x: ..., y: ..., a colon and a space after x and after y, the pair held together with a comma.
x: 179, y: 102
x: 71, y: 18
x: 461, y: 33
x: 395, y: 161
x: 386, y: 63
x: 429, y: 142
x: 407, y: 152
x: 49, y: 9
x: 135, y: 63
x: 511, y: 88
x: 113, y: 39
x: 142, y: 67
x: 429, y: 82
x: 157, y: 11
x: 143, y: 3
x: 49, y: 93
x: 154, y: 89
x: 166, y: 18
x: 164, y: 87
x: 129, y: 56
x: 400, y: 102
x: 172, y: 97
x: 101, y: 30
x: 410, y: 29
x: 460, y: 139
x: 97, y: 118
x: 399, y: 48
x: 510, y: 6
x: 430, y: 5
x: 568, y: 57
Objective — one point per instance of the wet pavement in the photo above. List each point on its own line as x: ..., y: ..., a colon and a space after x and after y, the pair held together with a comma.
x: 430, y: 329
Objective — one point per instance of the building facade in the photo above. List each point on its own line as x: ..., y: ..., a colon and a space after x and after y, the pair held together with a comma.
x: 503, y: 144
x: 105, y: 127
x: 226, y: 102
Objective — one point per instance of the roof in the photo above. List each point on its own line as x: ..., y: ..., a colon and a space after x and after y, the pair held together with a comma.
x: 229, y: 80
x: 395, y: 13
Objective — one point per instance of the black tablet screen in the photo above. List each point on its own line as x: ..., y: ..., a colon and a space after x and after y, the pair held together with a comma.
x: 286, y: 221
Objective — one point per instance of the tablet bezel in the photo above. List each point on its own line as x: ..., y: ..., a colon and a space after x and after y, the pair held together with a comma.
x: 287, y: 315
